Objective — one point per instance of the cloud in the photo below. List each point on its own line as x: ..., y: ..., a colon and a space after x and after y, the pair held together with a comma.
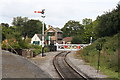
x: 57, y: 12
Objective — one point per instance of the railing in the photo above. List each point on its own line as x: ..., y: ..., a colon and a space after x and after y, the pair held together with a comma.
x: 70, y: 47
x: 12, y: 48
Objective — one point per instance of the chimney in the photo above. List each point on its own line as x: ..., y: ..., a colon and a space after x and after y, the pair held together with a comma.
x: 49, y: 26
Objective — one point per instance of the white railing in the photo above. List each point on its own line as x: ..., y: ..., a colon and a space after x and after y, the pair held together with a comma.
x: 70, y: 47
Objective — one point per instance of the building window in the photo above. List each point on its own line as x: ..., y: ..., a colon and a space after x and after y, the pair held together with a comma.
x: 36, y: 42
x: 51, y: 33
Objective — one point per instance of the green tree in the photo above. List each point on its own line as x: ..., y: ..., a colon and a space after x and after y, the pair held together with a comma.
x: 72, y: 28
x: 109, y: 23
x: 19, y: 21
x: 86, y: 21
x: 33, y: 27
x: 77, y: 39
x: 10, y: 33
x: 5, y: 24
x: 89, y: 30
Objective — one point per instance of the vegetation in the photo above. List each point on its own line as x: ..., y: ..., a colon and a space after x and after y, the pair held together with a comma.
x: 107, y: 32
x: 108, y: 55
x: 28, y: 27
x: 19, y: 35
x: 37, y: 49
x: 81, y: 33
x: 108, y: 23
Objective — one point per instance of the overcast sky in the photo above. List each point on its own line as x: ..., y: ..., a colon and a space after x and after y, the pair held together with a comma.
x: 57, y: 12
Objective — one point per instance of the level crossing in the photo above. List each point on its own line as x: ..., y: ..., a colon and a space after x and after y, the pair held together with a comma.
x: 70, y: 47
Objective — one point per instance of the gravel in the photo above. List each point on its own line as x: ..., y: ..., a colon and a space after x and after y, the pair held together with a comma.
x: 83, y: 67
x: 46, y: 63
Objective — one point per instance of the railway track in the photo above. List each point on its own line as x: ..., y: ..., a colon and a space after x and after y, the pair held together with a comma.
x: 63, y: 68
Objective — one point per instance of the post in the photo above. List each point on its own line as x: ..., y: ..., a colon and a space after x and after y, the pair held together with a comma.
x: 99, y: 47
x: 98, y: 61
x: 49, y: 40
x: 90, y: 40
x: 43, y: 36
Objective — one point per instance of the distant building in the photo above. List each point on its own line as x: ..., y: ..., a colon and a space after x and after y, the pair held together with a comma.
x: 36, y: 39
x: 53, y: 35
x: 67, y: 40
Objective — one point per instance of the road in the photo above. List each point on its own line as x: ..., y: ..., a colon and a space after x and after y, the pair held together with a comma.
x: 15, y: 66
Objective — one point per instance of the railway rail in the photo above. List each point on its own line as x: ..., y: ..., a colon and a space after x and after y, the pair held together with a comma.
x: 64, y: 69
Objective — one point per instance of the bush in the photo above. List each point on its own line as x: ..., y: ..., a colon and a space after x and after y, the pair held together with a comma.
x: 46, y: 49
x: 113, y: 64
x: 109, y: 53
x: 15, y: 45
x: 23, y: 44
x: 8, y: 45
x: 36, y: 46
x: 4, y: 45
x: 37, y: 51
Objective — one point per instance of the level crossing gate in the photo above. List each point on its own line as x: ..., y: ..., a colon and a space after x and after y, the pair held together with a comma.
x: 70, y: 47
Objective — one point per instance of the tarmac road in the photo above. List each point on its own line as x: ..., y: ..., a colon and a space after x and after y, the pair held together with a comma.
x: 15, y: 66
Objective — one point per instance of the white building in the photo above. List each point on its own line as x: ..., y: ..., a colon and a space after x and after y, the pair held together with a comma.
x: 36, y: 39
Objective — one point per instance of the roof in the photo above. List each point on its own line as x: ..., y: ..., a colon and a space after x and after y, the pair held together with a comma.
x: 55, y: 29
x: 39, y: 36
x: 67, y: 39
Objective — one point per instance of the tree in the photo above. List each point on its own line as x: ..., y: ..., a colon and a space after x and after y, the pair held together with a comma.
x: 77, y: 39
x: 72, y: 28
x: 19, y: 21
x: 89, y: 30
x: 86, y: 21
x: 108, y: 23
x: 33, y: 27
x: 5, y: 24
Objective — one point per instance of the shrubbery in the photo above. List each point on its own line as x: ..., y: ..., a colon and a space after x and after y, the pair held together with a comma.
x: 109, y: 53
x: 36, y: 49
x: 22, y: 44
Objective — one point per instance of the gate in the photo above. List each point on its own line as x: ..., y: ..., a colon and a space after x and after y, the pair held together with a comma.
x: 70, y: 47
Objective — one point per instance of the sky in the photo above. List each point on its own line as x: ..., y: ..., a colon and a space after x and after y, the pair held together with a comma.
x: 57, y: 12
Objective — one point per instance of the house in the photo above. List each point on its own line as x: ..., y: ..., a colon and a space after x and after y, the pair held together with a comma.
x: 36, y: 39
x: 53, y: 35
x: 67, y: 40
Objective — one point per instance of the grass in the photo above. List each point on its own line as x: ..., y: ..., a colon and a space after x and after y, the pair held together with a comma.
x: 108, y: 55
